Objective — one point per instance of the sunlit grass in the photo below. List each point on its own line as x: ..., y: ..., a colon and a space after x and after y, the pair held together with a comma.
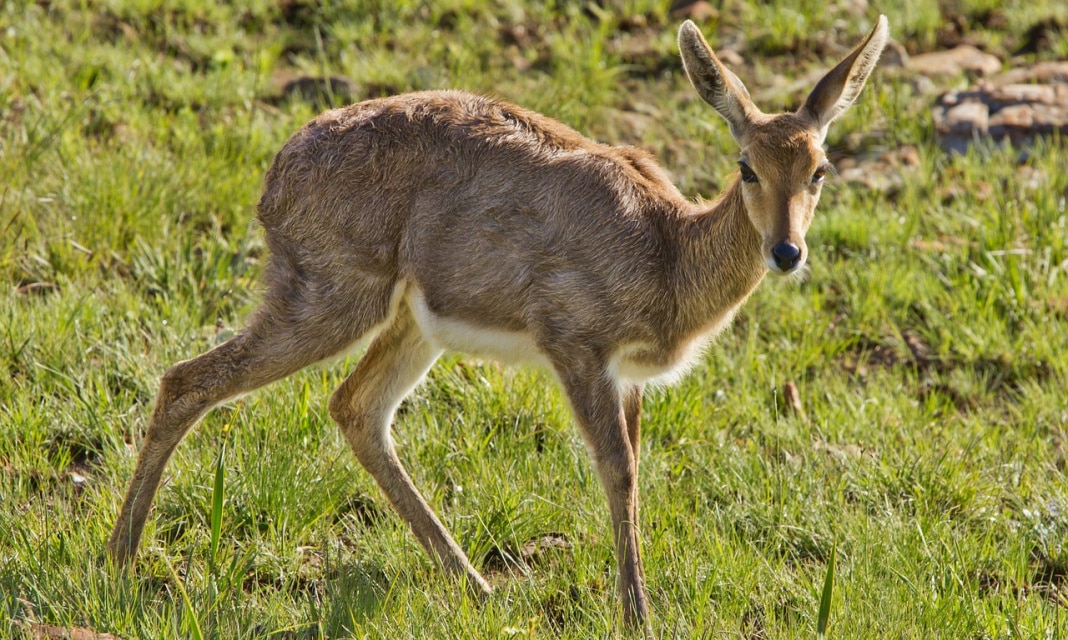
x: 928, y: 343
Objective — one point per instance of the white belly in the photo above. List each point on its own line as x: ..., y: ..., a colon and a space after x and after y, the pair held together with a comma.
x: 630, y: 364
x: 633, y: 362
x: 507, y: 347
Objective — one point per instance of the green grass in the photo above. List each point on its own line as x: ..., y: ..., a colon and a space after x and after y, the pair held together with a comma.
x: 133, y: 140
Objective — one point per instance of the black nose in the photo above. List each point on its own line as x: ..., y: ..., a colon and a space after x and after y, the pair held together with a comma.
x: 787, y: 255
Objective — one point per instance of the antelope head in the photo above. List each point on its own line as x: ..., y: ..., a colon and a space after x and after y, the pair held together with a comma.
x: 782, y: 164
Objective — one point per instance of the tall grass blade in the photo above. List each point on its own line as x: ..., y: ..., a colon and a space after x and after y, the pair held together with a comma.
x: 191, y: 616
x: 828, y: 590
x: 189, y: 613
x: 216, y: 509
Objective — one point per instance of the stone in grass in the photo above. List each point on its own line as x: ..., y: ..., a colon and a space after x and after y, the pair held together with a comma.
x: 1013, y: 113
x: 954, y: 62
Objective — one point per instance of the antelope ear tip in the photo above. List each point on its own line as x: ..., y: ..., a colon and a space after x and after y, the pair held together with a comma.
x: 688, y: 28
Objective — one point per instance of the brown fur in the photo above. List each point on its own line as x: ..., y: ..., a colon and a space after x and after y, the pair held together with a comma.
x: 443, y: 220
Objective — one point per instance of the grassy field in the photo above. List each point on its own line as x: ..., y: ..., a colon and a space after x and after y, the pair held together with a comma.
x: 928, y: 342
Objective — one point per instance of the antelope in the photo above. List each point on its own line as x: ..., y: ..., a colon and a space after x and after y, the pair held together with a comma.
x: 441, y: 220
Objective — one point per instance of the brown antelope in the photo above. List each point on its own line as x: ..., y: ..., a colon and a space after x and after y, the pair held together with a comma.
x: 446, y: 221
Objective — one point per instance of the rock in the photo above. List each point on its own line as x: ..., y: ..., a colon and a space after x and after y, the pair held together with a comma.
x: 874, y: 181
x: 894, y: 56
x: 1014, y: 113
x: 1017, y: 115
x: 883, y: 172
x: 967, y: 117
x: 1021, y: 93
x: 1053, y: 71
x: 922, y: 85
x: 956, y: 61
x: 698, y: 11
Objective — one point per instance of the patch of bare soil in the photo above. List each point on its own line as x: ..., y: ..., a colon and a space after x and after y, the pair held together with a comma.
x: 50, y: 632
x: 500, y: 562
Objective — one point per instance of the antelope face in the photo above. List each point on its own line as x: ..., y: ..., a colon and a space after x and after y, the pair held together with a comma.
x: 782, y: 168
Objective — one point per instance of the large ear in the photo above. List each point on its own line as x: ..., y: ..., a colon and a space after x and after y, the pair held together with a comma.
x: 714, y: 82
x: 837, y: 91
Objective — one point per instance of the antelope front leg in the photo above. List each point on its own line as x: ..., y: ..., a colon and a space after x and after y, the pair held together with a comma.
x: 599, y: 410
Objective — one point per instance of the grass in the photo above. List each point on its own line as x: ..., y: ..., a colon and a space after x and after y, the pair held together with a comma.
x: 929, y: 343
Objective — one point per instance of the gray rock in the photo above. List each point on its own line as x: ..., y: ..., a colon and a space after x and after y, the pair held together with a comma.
x: 954, y: 62
x: 1054, y: 71
x: 894, y: 56
x: 1003, y: 112
x: 967, y: 117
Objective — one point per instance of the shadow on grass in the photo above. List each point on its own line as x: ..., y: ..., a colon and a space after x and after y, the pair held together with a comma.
x: 353, y: 597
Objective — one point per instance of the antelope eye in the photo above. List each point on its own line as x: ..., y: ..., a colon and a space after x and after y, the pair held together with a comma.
x: 747, y: 173
x: 820, y: 174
